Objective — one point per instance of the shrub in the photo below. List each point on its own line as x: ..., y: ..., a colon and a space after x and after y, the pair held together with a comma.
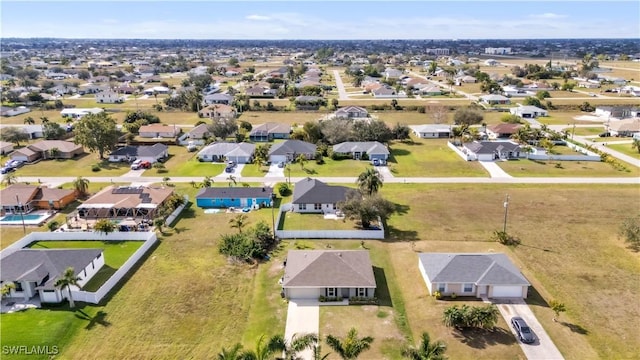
x: 437, y: 294
x: 454, y: 295
x: 52, y: 226
x: 95, y: 168
x: 283, y: 189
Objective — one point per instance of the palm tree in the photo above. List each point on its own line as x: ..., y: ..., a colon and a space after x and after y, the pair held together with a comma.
x: 68, y: 279
x: 81, y: 185
x: 231, y: 179
x: 207, y: 182
x: 636, y: 144
x: 44, y: 119
x: 29, y: 120
x: 297, y: 344
x: 351, y: 347
x: 301, y: 159
x: 427, y: 350
x: 239, y: 222
x: 155, y: 95
x: 234, y: 353
x: 370, y: 181
x: 264, y: 349
x: 317, y: 353
x: 9, y: 179
x: 6, y: 289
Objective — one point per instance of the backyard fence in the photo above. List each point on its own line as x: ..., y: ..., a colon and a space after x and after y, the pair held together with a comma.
x: 174, y: 215
x: 324, y: 234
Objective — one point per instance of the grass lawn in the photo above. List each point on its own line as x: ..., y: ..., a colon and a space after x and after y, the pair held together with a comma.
x: 330, y: 167
x: 184, y: 163
x: 297, y: 221
x: 253, y: 170
x: 570, y: 251
x: 430, y: 157
x: 585, y: 131
x: 284, y: 117
x: 78, y: 166
x: 171, y: 319
x: 535, y: 168
x: 625, y: 149
x: 115, y: 255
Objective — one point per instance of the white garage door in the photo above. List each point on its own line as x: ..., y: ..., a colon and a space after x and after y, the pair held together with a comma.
x: 304, y: 293
x: 507, y: 291
x: 275, y: 159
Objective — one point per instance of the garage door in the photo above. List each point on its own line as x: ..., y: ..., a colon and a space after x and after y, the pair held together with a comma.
x: 275, y: 159
x: 304, y: 293
x: 507, y: 291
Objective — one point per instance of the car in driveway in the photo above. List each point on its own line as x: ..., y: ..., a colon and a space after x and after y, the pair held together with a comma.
x: 522, y: 330
x: 139, y: 164
x: 6, y: 170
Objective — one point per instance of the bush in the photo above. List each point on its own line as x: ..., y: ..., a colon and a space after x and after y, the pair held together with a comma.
x: 283, y: 189
x: 437, y: 294
x: 52, y: 226
x: 95, y: 168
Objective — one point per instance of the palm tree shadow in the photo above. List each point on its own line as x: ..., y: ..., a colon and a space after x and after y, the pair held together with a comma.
x: 480, y: 339
x: 97, y: 319
x: 575, y: 328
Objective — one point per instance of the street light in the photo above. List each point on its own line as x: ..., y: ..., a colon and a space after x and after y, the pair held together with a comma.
x: 24, y: 228
x: 506, y: 210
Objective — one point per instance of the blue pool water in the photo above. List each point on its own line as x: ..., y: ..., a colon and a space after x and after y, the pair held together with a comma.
x: 19, y: 218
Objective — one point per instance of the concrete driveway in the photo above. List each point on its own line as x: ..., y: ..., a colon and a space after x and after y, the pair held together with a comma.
x: 237, y: 172
x: 543, y: 348
x: 494, y: 170
x: 303, y: 317
x: 275, y: 171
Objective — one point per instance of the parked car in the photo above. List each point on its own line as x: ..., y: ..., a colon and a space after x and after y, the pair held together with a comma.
x: 378, y: 162
x: 229, y: 169
x: 522, y: 329
x: 605, y: 134
x: 140, y: 164
x: 14, y: 164
x: 281, y: 164
x: 6, y: 170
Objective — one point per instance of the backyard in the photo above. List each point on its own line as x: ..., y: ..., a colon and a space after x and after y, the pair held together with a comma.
x: 297, y: 221
x: 553, y: 168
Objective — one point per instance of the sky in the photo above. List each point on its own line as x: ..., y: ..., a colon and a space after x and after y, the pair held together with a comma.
x: 329, y: 19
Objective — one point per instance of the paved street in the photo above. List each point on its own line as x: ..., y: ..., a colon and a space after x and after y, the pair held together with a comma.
x: 342, y: 93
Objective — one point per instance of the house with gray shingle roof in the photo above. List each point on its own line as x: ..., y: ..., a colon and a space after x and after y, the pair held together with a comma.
x: 490, y: 275
x: 492, y: 150
x: 431, y: 131
x: 34, y: 271
x: 152, y: 153
x: 314, y: 196
x: 240, y: 153
x: 309, y: 274
x: 289, y: 150
x: 356, y: 149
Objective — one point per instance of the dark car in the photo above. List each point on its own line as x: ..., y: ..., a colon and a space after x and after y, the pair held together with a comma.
x: 6, y: 170
x: 605, y: 134
x: 522, y: 329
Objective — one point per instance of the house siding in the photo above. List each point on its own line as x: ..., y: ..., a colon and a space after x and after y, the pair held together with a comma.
x: 228, y: 202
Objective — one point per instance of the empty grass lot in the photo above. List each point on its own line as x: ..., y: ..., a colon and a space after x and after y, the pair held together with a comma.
x: 330, y: 167
x: 78, y: 166
x: 184, y: 163
x: 625, y: 149
x: 283, y: 117
x: 430, y: 157
x: 585, y: 131
x: 115, y: 255
x: 535, y: 168
x: 570, y: 251
x: 297, y: 221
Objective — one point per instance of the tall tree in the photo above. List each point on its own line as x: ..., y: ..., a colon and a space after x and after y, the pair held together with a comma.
x: 67, y: 280
x: 366, y: 209
x: 9, y: 179
x: 427, y: 350
x: 29, y: 120
x: 467, y: 116
x: 636, y: 144
x: 352, y: 345
x: 206, y: 182
x: 234, y: 353
x: 239, y: 222
x: 96, y: 132
x: 370, y: 181
x: 13, y: 134
x: 81, y: 185
x: 298, y: 343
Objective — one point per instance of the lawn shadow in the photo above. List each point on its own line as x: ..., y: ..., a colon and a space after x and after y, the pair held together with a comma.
x: 480, y: 339
x: 309, y: 171
x: 399, y: 152
x: 97, y: 319
x: 401, y: 209
x: 534, y: 298
x: 575, y: 328
x: 394, y: 234
x: 382, y: 288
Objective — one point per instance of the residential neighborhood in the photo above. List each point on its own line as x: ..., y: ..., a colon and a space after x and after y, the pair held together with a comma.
x: 462, y: 198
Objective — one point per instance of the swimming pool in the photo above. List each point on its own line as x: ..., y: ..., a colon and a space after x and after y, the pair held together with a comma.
x: 27, y: 217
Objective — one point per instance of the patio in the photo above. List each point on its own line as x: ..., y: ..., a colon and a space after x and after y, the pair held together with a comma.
x: 11, y: 305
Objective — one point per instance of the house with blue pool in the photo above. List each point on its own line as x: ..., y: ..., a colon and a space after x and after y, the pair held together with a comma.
x: 239, y: 197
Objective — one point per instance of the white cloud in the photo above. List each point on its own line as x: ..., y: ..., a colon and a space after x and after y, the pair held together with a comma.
x: 548, y: 16
x: 257, y: 17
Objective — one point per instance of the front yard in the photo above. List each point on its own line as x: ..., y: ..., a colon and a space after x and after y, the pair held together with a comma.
x: 549, y: 168
x: 330, y: 167
x: 79, y: 166
x: 625, y: 149
x: 184, y: 163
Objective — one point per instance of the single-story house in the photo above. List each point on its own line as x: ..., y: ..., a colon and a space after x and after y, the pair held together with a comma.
x: 35, y: 131
x: 10, y: 111
x: 159, y: 131
x: 495, y: 99
x: 124, y: 202
x: 528, y: 111
x: 626, y: 127
x: 492, y: 150
x: 22, y: 198
x: 199, y: 132
x: 78, y: 113
x: 225, y: 99
x: 502, y: 130
x: 427, y: 89
x: 153, y: 153
x: 157, y: 90
x: 314, y: 196
x: 5, y: 147
x: 617, y: 112
x: 467, y: 274
x: 309, y: 274
x: 218, y: 111
x: 289, y: 150
x: 270, y: 131
x: 240, y: 153
x: 238, y: 197
x: 352, y: 112
x: 35, y: 271
x: 466, y: 79
x: 47, y: 149
x: 431, y: 131
x: 384, y: 92
x: 356, y: 149
x: 109, y: 97
x: 258, y: 91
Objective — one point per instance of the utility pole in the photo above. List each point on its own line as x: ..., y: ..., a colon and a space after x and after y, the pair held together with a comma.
x: 506, y: 211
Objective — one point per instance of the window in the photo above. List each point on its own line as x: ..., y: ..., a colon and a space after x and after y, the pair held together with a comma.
x: 18, y: 286
x: 302, y: 206
x: 317, y: 206
x: 442, y: 288
x: 334, y: 206
x: 49, y: 291
x: 361, y: 292
x: 468, y: 288
x: 331, y: 292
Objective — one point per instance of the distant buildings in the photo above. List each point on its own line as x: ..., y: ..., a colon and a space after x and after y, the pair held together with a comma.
x: 497, y: 51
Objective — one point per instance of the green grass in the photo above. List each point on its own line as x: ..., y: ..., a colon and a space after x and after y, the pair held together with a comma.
x: 284, y: 117
x: 342, y: 168
x: 430, y: 157
x: 585, y: 131
x: 252, y: 170
x: 115, y: 255
x: 297, y: 221
x: 625, y: 149
x: 78, y: 166
x: 535, y: 168
x: 184, y: 163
